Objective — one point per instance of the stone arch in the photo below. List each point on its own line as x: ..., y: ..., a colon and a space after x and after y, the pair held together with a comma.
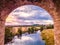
x: 51, y: 6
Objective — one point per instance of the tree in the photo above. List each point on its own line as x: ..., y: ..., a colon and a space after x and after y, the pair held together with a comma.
x: 41, y: 28
x: 50, y: 27
x: 32, y: 30
x: 19, y: 32
x: 8, y: 35
x: 29, y: 30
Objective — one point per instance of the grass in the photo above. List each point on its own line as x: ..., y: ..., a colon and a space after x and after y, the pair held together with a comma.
x: 48, y: 36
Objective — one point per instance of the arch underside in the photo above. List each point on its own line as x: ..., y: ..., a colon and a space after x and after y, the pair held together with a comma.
x: 51, y: 6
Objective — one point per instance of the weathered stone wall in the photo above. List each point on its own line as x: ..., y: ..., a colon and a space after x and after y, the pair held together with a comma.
x: 51, y: 6
x: 2, y: 32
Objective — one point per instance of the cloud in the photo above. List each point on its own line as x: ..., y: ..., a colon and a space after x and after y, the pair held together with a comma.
x: 31, y: 12
x: 28, y: 15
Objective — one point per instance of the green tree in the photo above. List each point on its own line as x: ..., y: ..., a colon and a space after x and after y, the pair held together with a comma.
x: 29, y: 30
x: 41, y: 28
x: 19, y: 32
x: 8, y: 35
x: 50, y: 27
x: 32, y: 30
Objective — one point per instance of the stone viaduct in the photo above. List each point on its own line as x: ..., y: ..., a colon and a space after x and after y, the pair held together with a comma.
x: 51, y: 6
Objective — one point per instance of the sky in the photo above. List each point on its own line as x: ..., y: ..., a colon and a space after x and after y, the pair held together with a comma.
x: 29, y: 15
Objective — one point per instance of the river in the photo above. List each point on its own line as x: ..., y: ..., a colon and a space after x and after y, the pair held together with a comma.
x: 28, y: 39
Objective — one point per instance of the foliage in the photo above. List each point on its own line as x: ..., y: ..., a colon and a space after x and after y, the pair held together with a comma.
x: 8, y: 35
x: 19, y: 32
x: 50, y: 27
x: 48, y: 36
x: 41, y: 28
x: 36, y: 28
x: 31, y: 30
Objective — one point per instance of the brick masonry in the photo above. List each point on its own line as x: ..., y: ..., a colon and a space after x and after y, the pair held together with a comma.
x: 51, y: 6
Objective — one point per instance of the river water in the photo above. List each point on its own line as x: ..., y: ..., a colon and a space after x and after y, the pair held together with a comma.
x: 28, y: 39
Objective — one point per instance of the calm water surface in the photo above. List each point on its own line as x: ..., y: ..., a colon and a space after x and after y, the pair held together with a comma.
x: 28, y: 39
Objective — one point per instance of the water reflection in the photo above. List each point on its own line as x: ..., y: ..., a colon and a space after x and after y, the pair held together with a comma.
x: 28, y: 39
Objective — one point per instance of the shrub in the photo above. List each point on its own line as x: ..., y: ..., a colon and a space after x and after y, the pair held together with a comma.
x: 48, y: 36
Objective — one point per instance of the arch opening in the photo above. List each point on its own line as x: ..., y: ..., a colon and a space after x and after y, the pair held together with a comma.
x: 27, y: 14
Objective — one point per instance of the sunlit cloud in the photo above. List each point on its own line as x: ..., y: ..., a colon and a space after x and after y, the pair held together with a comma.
x: 28, y: 15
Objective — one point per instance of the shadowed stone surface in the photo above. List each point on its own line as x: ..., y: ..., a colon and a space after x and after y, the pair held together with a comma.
x: 51, y: 6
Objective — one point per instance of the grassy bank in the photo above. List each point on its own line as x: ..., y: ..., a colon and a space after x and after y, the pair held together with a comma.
x: 48, y: 36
